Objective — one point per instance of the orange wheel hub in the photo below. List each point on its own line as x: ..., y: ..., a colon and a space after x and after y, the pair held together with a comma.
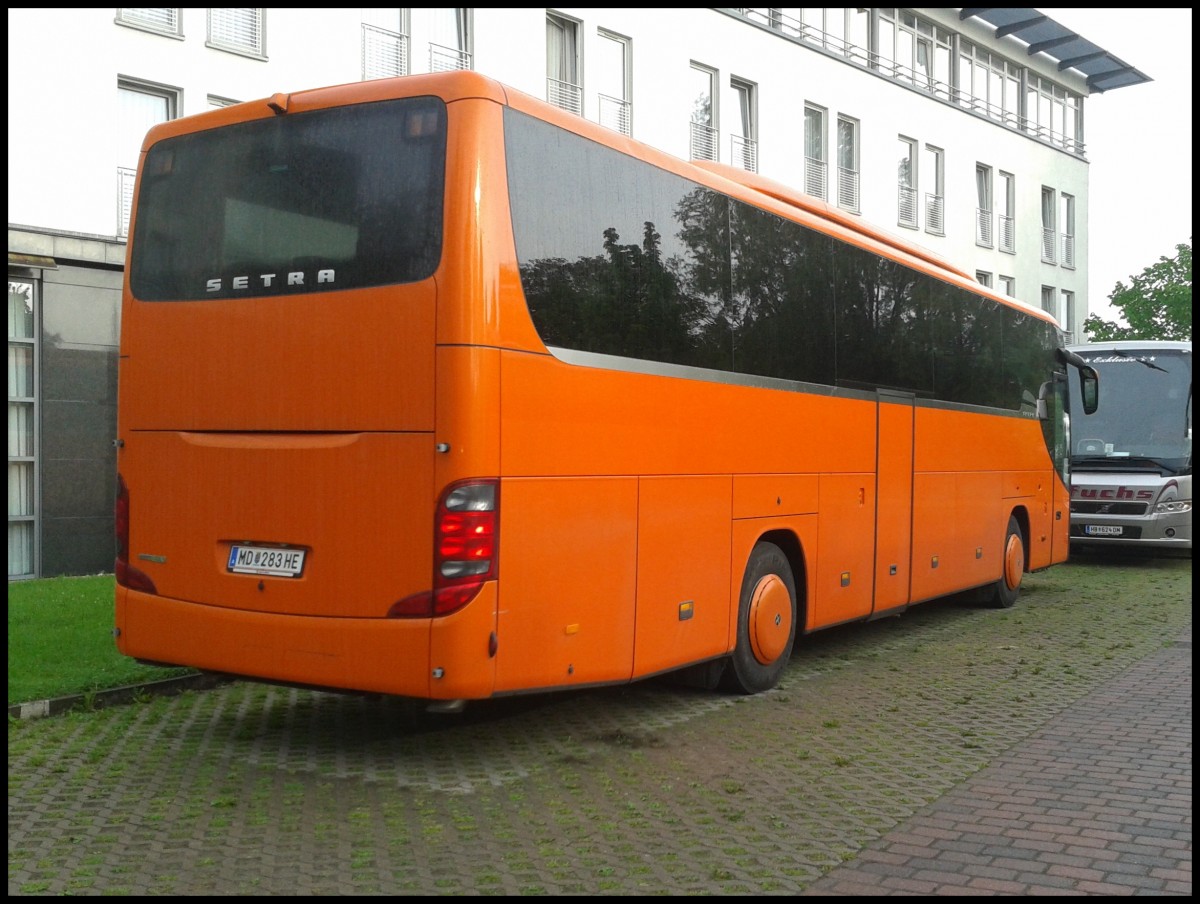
x: 1014, y: 562
x: 770, y: 619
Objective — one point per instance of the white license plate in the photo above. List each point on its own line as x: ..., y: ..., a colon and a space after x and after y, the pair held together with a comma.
x: 272, y: 560
x: 1102, y: 530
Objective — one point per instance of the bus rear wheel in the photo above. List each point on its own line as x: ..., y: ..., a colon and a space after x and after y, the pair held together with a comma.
x: 1006, y: 590
x: 766, y: 623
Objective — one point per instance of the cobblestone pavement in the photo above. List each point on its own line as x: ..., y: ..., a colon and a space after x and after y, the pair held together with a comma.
x: 955, y: 750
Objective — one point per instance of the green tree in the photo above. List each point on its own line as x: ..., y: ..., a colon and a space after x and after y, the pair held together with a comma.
x: 1156, y: 305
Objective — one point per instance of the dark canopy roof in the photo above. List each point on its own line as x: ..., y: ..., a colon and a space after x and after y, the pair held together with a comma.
x: 1070, y: 50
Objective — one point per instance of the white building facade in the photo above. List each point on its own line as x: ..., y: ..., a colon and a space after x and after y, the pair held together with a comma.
x: 961, y: 130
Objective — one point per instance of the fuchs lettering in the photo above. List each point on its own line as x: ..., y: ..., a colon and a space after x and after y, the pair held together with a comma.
x: 1112, y: 493
x: 267, y: 280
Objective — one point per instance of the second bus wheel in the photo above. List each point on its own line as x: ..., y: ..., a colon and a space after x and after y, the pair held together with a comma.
x: 1006, y: 590
x: 766, y: 623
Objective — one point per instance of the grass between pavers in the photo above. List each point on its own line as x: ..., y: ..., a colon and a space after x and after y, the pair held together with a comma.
x: 60, y: 640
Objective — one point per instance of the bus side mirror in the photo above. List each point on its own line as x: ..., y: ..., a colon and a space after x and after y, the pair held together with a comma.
x: 1089, y: 389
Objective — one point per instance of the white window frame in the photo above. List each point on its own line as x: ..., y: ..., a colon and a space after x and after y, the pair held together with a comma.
x: 907, y: 214
x: 615, y: 110
x: 564, y: 78
x: 743, y: 143
x: 935, y: 201
x: 1006, y: 220
x: 816, y: 157
x: 1066, y: 227
x: 1008, y: 285
x: 703, y: 138
x: 26, y: 455
x: 984, y: 204
x: 1049, y: 229
x: 127, y: 168
x: 848, y: 181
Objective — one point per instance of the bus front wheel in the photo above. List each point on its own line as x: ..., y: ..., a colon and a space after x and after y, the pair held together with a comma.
x: 1006, y: 590
x: 766, y: 624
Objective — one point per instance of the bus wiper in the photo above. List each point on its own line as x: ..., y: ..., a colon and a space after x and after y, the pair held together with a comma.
x: 1150, y: 364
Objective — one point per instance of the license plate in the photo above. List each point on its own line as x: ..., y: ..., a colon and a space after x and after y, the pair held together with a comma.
x: 272, y: 560
x: 1102, y: 530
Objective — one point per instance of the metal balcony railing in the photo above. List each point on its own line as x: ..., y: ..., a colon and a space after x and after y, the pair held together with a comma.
x: 816, y: 178
x: 125, y: 180
x: 906, y: 205
x: 616, y: 114
x: 983, y: 227
x: 935, y: 223
x: 703, y: 141
x: 744, y: 152
x: 447, y: 59
x: 1047, y: 246
x: 847, y: 189
x: 1008, y: 235
x: 565, y: 95
x: 1068, y: 250
x: 384, y: 53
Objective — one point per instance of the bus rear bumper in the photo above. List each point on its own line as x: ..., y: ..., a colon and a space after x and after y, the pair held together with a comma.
x: 387, y: 656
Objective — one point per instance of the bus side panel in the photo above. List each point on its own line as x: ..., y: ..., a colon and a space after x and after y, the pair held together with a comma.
x: 1032, y: 491
x: 893, y: 541
x: 845, y: 561
x: 682, y: 571
x: 568, y: 575
x: 1060, y: 527
x: 936, y: 536
x: 973, y: 555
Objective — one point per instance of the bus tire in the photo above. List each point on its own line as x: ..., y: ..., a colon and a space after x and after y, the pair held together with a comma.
x: 1006, y: 590
x: 766, y: 623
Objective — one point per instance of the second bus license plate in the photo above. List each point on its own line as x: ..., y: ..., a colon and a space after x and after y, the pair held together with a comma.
x: 1102, y: 530
x: 271, y: 560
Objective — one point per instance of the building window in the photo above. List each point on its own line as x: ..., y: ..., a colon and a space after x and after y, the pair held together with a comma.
x: 615, y: 80
x: 702, y: 143
x: 140, y: 106
x: 847, y: 162
x: 815, y: 175
x: 215, y: 101
x: 238, y: 30
x: 1007, y: 198
x: 161, y: 20
x: 1068, y: 308
x: 1048, y: 229
x: 446, y: 32
x: 1067, y: 225
x: 744, y: 143
x: 906, y: 179
x: 983, y: 205
x: 385, y: 52
x: 22, y: 436
x: 935, y: 202
x: 913, y: 50
x: 1053, y: 113
x: 1008, y: 285
x: 563, y: 87
x: 988, y: 84
x: 1048, y: 301
x: 983, y: 278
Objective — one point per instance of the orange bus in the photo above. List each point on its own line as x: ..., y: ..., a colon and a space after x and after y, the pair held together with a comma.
x: 428, y: 388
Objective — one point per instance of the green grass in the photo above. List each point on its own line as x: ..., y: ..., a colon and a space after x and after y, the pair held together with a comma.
x: 60, y: 640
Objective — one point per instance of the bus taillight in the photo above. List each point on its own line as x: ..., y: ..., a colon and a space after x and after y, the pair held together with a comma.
x: 464, y: 547
x: 126, y: 574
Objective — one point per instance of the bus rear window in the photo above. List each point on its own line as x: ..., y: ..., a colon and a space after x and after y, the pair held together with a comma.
x: 308, y: 202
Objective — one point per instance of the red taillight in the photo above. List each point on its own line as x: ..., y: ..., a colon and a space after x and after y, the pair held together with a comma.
x: 464, y: 547
x: 126, y: 574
